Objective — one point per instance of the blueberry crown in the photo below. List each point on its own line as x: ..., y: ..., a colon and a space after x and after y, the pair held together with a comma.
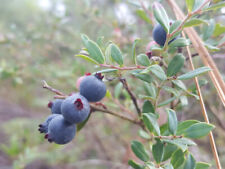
x: 99, y: 76
x: 79, y: 105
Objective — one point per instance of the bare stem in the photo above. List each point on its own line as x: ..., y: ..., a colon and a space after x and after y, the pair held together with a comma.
x: 46, y: 86
x: 133, y: 98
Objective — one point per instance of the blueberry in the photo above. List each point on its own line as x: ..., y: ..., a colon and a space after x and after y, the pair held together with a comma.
x: 55, y: 106
x: 75, y: 108
x: 159, y: 35
x: 60, y: 131
x: 43, y: 128
x: 93, y: 88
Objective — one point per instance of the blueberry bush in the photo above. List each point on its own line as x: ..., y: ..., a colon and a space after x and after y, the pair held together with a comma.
x: 118, y: 71
x: 161, y: 73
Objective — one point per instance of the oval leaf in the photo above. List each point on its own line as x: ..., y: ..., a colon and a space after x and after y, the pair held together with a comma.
x: 114, y: 52
x: 139, y: 150
x: 190, y: 4
x: 148, y: 107
x: 161, y: 16
x: 194, y: 22
x: 190, y: 162
x: 158, y: 151
x: 134, y: 50
x: 177, y: 158
x: 202, y: 165
x: 172, y: 121
x: 179, y: 42
x: 184, y: 125
x: 157, y: 71
x: 150, y: 122
x: 135, y: 165
x: 194, y: 73
x: 143, y: 60
x: 198, y: 130
x: 175, y: 65
x: 94, y: 51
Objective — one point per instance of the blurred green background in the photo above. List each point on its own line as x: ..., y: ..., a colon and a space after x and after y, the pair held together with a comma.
x: 38, y: 41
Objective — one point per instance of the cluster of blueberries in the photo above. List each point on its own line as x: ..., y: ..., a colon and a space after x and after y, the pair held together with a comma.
x: 60, y: 126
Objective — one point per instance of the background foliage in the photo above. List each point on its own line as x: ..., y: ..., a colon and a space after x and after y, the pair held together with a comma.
x: 38, y: 40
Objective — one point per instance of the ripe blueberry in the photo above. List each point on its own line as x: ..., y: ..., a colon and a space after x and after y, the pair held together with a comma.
x: 60, y: 131
x: 75, y: 108
x: 80, y: 79
x: 55, y: 106
x: 43, y: 128
x: 93, y: 88
x: 159, y: 35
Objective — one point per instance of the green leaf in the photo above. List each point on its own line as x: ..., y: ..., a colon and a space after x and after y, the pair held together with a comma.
x: 148, y: 107
x: 134, y: 50
x: 198, y: 4
x: 194, y: 22
x: 194, y: 73
x: 202, y: 165
x: 175, y: 25
x: 139, y: 150
x: 167, y: 101
x: 85, y: 57
x: 142, y: 14
x: 177, y: 143
x: 93, y: 49
x: 95, y: 52
x: 175, y: 65
x: 208, y: 30
x: 145, y: 77
x: 150, y: 89
x: 143, y: 60
x: 168, y: 151
x: 157, y: 71
x: 82, y: 124
x: 179, y: 84
x: 135, y: 165
x: 183, y: 100
x: 151, y: 123
x: 190, y: 162
x: 168, y: 166
x: 171, y: 90
x: 161, y: 16
x: 158, y: 151
x: 114, y: 52
x: 145, y: 97
x: 198, y: 130
x: 219, y: 29
x: 216, y: 6
x: 182, y: 126
x: 190, y: 4
x: 211, y: 47
x: 144, y: 134
x: 172, y: 121
x: 107, y: 71
x: 177, y: 158
x: 179, y: 42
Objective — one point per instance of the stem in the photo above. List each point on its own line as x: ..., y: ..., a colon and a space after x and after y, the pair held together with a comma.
x: 157, y: 94
x: 46, y: 86
x: 134, y: 99
x: 95, y: 108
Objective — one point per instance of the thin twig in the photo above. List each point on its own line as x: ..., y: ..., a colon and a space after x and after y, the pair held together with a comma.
x: 133, y: 98
x: 95, y: 108
x: 46, y: 86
